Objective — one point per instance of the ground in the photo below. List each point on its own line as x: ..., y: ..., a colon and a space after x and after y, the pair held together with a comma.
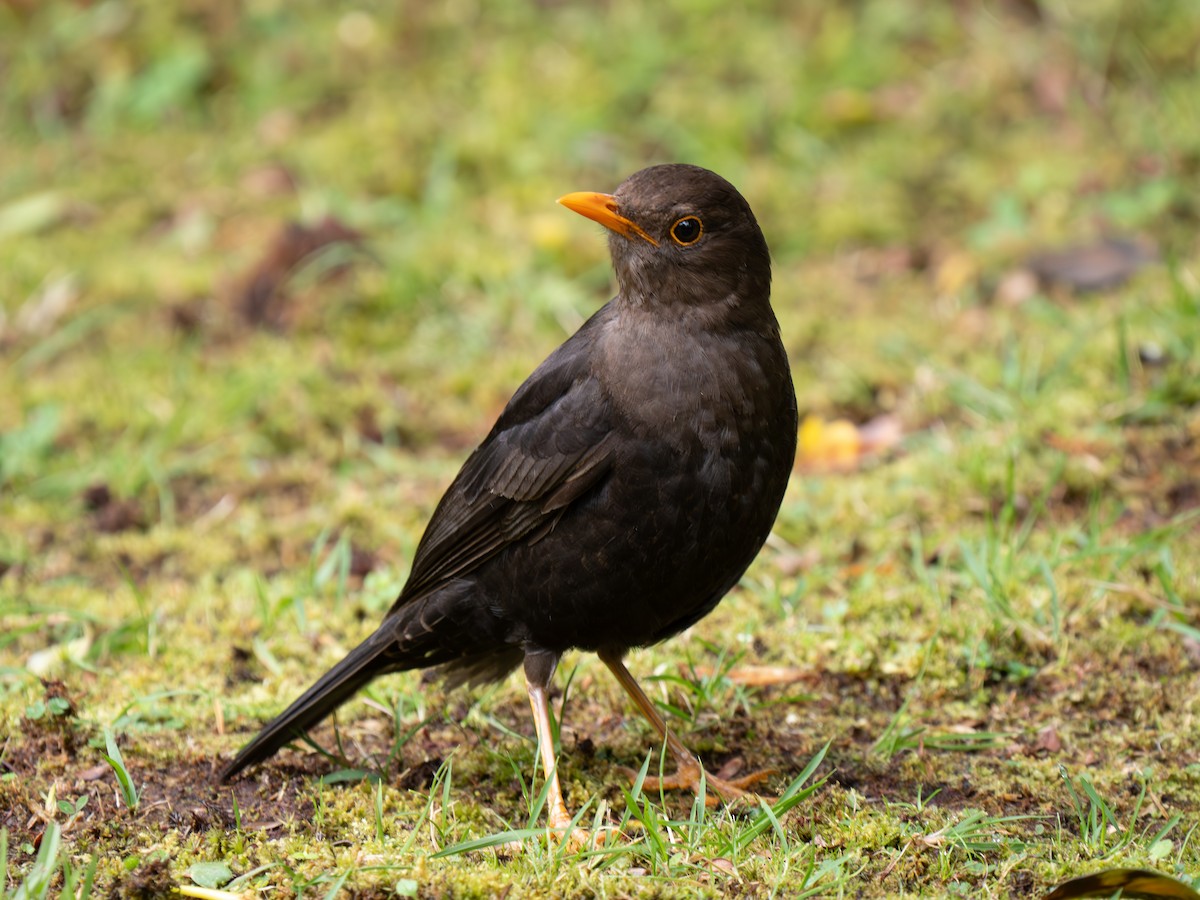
x: 269, y: 271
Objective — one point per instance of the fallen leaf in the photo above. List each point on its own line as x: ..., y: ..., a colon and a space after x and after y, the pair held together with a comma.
x: 1130, y: 883
x: 261, y: 297
x: 825, y: 444
x: 757, y: 676
x: 270, y: 180
x: 954, y: 273
x: 840, y: 444
x: 879, y: 434
x: 1048, y: 740
x: 1016, y: 287
x: 793, y: 562
x: 1098, y: 266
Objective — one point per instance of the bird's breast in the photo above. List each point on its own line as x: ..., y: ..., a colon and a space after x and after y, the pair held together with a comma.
x: 703, y: 426
x: 710, y: 425
x: 677, y: 385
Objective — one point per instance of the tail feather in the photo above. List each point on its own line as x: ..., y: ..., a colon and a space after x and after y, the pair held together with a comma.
x: 331, y: 690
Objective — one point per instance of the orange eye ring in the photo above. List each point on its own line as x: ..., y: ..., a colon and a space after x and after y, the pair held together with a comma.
x: 687, y: 231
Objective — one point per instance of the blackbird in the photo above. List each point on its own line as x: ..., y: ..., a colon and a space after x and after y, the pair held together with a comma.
x: 623, y: 491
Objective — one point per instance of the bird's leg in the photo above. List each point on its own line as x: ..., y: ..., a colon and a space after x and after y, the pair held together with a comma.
x: 688, y: 769
x: 539, y: 669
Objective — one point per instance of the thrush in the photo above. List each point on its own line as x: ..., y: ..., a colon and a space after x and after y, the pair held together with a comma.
x: 624, y: 489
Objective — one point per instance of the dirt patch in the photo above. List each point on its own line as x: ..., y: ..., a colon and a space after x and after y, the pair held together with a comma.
x: 110, y: 514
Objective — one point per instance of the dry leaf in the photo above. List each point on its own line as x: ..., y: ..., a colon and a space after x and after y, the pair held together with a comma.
x: 954, y: 273
x: 793, y: 562
x: 828, y: 444
x: 1106, y: 263
x: 1130, y: 882
x: 840, y: 444
x: 261, y: 295
x: 1048, y: 740
x: 757, y: 676
x: 1016, y: 287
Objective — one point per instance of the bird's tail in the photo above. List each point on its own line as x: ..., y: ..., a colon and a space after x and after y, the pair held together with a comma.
x: 333, y: 689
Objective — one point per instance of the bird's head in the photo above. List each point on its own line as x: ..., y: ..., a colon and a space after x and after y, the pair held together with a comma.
x: 682, y: 237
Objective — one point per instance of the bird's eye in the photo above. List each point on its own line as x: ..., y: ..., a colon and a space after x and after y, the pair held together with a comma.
x: 687, y: 231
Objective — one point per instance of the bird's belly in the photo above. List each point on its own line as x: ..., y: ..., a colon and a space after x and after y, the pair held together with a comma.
x: 649, y: 552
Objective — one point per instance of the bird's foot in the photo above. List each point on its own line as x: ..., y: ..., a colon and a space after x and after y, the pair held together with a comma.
x: 560, y: 831
x: 723, y: 784
x: 577, y: 839
x: 567, y: 835
x: 571, y: 836
x: 574, y: 839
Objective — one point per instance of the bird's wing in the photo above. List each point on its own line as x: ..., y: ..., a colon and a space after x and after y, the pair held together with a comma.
x: 550, y: 446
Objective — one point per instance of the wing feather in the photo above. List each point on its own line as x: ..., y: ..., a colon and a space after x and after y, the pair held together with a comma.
x: 550, y: 446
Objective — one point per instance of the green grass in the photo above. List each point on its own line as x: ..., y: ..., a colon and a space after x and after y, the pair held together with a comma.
x: 995, y: 625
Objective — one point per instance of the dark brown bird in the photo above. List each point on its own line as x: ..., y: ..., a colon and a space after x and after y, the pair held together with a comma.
x: 624, y: 489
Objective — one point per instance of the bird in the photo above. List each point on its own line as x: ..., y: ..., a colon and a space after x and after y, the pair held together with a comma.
x: 623, y: 490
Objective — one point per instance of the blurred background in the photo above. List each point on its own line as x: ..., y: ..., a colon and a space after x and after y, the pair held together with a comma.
x: 157, y: 314
x: 268, y: 271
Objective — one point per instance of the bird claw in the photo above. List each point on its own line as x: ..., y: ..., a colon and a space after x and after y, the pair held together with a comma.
x: 573, y: 839
x: 576, y: 838
x: 722, y: 784
x: 566, y: 834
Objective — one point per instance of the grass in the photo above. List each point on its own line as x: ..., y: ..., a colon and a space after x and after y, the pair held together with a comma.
x: 992, y: 628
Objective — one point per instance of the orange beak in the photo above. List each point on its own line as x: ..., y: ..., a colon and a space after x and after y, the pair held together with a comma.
x: 602, y: 208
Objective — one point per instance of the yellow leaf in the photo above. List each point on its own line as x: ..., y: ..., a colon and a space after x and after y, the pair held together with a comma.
x: 833, y: 444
